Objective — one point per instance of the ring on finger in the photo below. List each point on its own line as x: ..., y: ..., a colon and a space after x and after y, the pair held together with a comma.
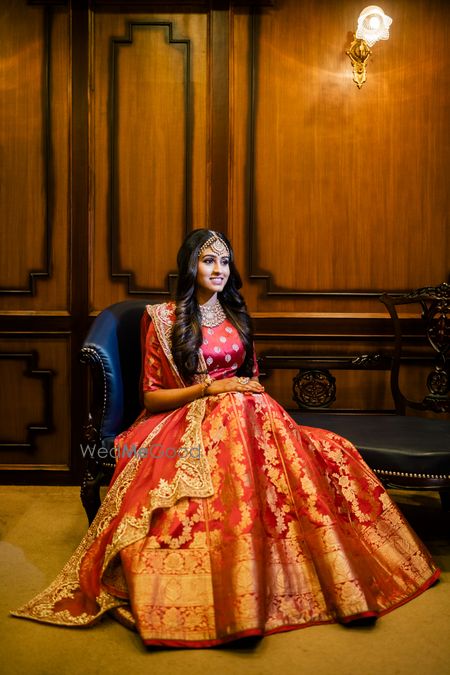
x: 243, y: 380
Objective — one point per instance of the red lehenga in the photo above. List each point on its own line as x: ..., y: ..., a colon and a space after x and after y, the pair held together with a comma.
x: 225, y: 519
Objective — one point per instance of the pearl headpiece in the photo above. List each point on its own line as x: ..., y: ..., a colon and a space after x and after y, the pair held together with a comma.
x: 216, y: 244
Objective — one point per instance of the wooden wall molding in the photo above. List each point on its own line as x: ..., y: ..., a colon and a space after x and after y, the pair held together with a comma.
x: 46, y: 377
x: 128, y: 276
x: 35, y: 442
x: 47, y: 159
x: 271, y: 289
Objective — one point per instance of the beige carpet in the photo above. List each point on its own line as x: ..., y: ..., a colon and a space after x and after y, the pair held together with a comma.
x: 41, y: 526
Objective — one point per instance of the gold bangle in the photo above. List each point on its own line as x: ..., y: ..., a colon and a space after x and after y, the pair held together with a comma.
x: 206, y: 384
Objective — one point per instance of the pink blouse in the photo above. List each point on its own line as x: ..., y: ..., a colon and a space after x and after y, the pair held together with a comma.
x: 222, y: 350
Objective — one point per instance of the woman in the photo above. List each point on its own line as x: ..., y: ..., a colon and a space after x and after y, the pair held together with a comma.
x: 225, y: 519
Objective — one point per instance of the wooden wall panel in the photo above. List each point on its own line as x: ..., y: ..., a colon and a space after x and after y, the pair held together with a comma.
x: 36, y: 299
x: 123, y: 125
x: 34, y: 400
x: 348, y: 188
x: 149, y: 145
x: 34, y: 137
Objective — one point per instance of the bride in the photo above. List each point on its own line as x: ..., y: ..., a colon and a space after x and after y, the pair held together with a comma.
x: 224, y: 518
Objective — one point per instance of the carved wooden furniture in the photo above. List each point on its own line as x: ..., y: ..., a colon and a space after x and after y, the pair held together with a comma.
x: 405, y: 451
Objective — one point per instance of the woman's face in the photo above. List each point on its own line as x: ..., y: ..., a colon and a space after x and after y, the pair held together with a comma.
x: 213, y: 271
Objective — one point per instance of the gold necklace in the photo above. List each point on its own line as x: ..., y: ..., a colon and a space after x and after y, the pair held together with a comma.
x: 212, y: 315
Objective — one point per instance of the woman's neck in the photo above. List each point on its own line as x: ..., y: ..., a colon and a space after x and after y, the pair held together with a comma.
x: 208, y: 302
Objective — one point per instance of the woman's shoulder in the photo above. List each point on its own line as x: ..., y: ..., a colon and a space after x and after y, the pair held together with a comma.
x: 164, y: 312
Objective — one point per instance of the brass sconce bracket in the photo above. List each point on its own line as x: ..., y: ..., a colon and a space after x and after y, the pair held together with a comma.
x: 373, y: 25
x: 359, y: 53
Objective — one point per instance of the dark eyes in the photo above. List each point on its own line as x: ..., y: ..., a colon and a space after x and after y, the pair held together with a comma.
x: 223, y: 261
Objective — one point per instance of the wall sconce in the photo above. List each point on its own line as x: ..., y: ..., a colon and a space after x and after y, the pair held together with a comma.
x: 373, y: 25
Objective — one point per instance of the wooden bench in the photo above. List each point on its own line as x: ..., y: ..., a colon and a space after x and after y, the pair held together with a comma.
x: 404, y: 450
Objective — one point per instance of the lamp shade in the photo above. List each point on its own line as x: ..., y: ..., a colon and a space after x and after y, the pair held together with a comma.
x: 373, y: 25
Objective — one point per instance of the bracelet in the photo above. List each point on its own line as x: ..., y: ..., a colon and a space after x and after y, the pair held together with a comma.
x: 205, y: 385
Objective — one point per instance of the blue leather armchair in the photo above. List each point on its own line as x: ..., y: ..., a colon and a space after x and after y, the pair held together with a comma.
x: 112, y: 350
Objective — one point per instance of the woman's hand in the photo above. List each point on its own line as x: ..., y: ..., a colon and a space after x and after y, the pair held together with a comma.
x: 161, y: 400
x: 242, y: 384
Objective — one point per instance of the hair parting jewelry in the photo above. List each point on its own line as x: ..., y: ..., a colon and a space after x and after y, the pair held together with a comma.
x: 216, y: 244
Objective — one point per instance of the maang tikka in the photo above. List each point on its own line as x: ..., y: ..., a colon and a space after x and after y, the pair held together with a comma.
x: 216, y: 244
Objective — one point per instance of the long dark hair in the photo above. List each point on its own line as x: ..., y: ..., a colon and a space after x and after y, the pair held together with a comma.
x: 187, y: 332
